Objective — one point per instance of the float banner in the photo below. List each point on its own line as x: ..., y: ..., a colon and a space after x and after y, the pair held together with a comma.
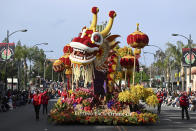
x: 10, y: 51
x: 186, y: 56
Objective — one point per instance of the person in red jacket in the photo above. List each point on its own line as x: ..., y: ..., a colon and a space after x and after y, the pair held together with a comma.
x: 160, y: 98
x: 184, y: 104
x: 59, y: 92
x: 64, y: 94
x: 45, y: 99
x: 37, y: 98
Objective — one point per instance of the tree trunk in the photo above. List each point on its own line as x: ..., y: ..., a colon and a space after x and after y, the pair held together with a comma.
x: 25, y: 73
x: 183, y: 73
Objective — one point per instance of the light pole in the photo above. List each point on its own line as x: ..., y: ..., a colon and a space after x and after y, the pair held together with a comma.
x: 141, y: 70
x: 45, y: 63
x: 157, y: 47
x: 190, y: 41
x: 40, y: 44
x: 7, y: 42
x: 31, y: 55
x: 150, y: 67
x: 162, y: 52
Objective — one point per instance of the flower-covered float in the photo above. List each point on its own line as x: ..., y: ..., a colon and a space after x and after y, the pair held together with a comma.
x: 94, y: 58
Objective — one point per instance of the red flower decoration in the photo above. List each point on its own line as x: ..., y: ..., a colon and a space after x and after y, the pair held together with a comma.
x: 68, y: 49
x: 128, y: 61
x: 137, y: 39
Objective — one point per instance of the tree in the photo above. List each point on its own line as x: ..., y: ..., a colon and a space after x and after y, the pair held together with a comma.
x: 140, y: 77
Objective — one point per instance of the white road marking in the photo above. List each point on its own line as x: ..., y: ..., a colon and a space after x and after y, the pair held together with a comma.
x: 167, y: 119
x: 178, y: 122
x: 192, y: 129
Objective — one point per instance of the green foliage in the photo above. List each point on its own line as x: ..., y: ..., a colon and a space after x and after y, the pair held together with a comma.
x: 24, y: 55
x: 138, y: 75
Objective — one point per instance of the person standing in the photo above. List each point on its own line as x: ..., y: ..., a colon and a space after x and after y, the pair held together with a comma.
x: 160, y: 98
x: 45, y: 99
x: 37, y: 98
x: 184, y: 104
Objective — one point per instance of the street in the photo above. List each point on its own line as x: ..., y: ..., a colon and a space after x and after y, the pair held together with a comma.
x: 23, y: 119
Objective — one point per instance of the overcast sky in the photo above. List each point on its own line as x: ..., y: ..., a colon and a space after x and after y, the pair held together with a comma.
x: 58, y: 21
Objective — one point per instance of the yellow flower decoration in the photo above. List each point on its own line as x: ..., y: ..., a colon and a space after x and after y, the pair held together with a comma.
x: 152, y: 100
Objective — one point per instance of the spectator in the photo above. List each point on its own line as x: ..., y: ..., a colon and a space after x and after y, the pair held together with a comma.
x: 184, y: 103
x: 160, y: 98
x: 45, y: 99
x: 37, y: 102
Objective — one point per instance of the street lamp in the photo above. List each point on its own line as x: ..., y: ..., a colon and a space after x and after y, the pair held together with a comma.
x: 150, y: 67
x: 40, y: 44
x: 162, y: 54
x: 45, y: 64
x: 49, y: 51
x: 31, y: 54
x: 190, y: 41
x: 7, y: 42
x: 157, y: 47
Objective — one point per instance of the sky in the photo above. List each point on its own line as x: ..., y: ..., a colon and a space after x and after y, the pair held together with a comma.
x: 58, y: 21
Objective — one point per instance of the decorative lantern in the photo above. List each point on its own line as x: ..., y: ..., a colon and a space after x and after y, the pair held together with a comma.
x: 58, y: 66
x: 68, y: 49
x: 128, y: 61
x: 67, y: 63
x: 63, y: 62
x: 137, y: 39
x: 65, y: 59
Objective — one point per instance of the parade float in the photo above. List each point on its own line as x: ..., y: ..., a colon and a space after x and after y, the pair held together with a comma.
x: 93, y: 57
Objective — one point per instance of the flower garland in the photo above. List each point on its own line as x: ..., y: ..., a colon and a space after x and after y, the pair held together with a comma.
x: 85, y: 71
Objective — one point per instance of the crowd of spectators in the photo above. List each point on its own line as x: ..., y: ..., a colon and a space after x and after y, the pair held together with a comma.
x: 172, y: 99
x: 13, y: 99
x: 10, y: 100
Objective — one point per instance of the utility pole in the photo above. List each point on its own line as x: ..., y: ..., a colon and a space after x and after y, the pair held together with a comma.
x: 190, y: 54
x: 7, y: 42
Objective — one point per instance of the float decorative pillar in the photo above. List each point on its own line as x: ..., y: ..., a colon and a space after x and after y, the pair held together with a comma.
x: 137, y: 40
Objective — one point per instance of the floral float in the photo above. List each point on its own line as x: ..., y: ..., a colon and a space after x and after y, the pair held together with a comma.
x: 81, y: 108
x: 91, y: 51
x: 92, y: 57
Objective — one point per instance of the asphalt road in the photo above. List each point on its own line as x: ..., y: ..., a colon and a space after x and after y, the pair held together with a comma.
x: 23, y: 119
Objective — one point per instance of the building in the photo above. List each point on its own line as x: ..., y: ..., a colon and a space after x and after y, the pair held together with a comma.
x: 191, y: 86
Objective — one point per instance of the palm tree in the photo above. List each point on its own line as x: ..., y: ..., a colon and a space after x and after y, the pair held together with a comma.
x: 18, y: 55
x: 176, y: 55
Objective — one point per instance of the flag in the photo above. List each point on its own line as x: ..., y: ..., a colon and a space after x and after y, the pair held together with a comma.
x: 9, y: 51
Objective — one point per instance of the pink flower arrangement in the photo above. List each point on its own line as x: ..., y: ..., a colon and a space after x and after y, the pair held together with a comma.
x: 69, y: 101
x: 79, y: 100
x: 87, y: 108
